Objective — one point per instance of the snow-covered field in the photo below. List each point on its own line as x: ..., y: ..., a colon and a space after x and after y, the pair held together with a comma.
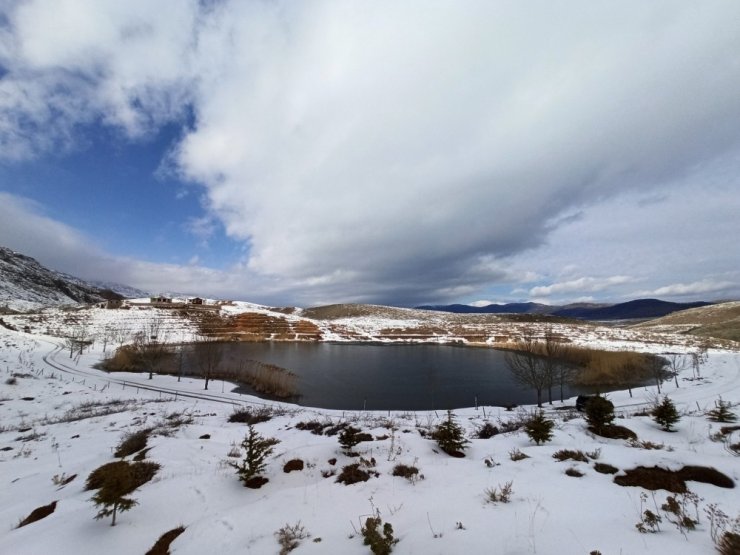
x: 53, y: 425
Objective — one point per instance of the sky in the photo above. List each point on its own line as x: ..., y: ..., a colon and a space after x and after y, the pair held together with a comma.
x: 404, y: 153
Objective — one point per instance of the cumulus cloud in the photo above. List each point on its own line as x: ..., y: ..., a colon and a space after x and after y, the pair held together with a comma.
x: 394, y: 151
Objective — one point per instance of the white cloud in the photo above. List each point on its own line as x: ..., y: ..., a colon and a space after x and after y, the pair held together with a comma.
x: 396, y: 151
x: 25, y: 228
x: 689, y: 289
x: 579, y: 286
x: 202, y: 228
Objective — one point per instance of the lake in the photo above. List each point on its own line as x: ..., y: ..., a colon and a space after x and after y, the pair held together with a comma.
x: 389, y: 377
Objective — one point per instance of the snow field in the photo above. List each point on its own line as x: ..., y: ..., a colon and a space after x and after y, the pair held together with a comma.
x: 550, y: 512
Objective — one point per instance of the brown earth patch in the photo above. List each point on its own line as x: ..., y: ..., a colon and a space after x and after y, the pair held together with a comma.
x: 655, y: 477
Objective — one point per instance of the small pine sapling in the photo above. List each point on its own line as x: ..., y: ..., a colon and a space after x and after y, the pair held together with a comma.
x: 721, y: 412
x: 539, y: 428
x: 257, y: 449
x: 666, y: 414
x: 450, y: 437
x: 349, y: 437
x: 599, y: 413
x: 118, y: 482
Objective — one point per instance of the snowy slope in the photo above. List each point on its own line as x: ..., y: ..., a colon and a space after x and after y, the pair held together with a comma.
x: 45, y: 428
x: 25, y: 284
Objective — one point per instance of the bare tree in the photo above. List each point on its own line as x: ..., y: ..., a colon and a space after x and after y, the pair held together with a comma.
x: 77, y: 340
x: 657, y: 369
x: 677, y: 363
x: 150, y: 346
x: 106, y: 336
x: 555, y: 368
x: 120, y: 335
x: 625, y: 375
x: 209, y: 353
x: 527, y: 367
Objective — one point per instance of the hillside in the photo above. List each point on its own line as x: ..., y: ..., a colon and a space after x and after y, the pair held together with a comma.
x: 27, y: 285
x: 640, y: 308
x: 718, y: 320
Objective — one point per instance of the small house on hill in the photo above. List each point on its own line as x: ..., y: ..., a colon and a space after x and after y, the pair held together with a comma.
x: 195, y: 300
x: 113, y: 303
x: 160, y: 300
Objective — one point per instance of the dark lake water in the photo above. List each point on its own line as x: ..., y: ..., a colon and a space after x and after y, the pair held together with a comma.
x: 390, y: 377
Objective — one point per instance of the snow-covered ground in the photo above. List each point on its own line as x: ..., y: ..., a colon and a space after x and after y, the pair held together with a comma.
x: 446, y: 512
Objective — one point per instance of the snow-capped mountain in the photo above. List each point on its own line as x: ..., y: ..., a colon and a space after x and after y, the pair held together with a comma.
x: 26, y: 285
x: 125, y: 290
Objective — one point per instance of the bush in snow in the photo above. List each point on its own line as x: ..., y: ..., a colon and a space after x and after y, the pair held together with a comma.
x: 599, y: 413
x: 350, y: 437
x: 380, y: 543
x: 356, y: 472
x: 411, y: 473
x: 486, y: 431
x: 539, y: 428
x: 133, y: 442
x: 721, y: 412
x: 449, y: 436
x: 666, y: 414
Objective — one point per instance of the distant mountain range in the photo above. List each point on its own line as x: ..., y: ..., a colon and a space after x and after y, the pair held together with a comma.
x: 26, y: 285
x: 640, y: 308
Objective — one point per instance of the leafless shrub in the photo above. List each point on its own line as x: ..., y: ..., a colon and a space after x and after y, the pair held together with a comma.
x: 290, y: 536
x: 62, y: 479
x: 500, y: 494
x: 647, y: 445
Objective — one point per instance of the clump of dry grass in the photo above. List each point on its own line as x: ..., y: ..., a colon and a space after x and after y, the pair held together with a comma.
x: 133, y: 442
x: 37, y: 514
x: 570, y: 454
x: 162, y: 546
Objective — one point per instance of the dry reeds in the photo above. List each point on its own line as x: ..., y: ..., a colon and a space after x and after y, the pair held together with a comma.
x: 268, y: 379
x: 600, y: 367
